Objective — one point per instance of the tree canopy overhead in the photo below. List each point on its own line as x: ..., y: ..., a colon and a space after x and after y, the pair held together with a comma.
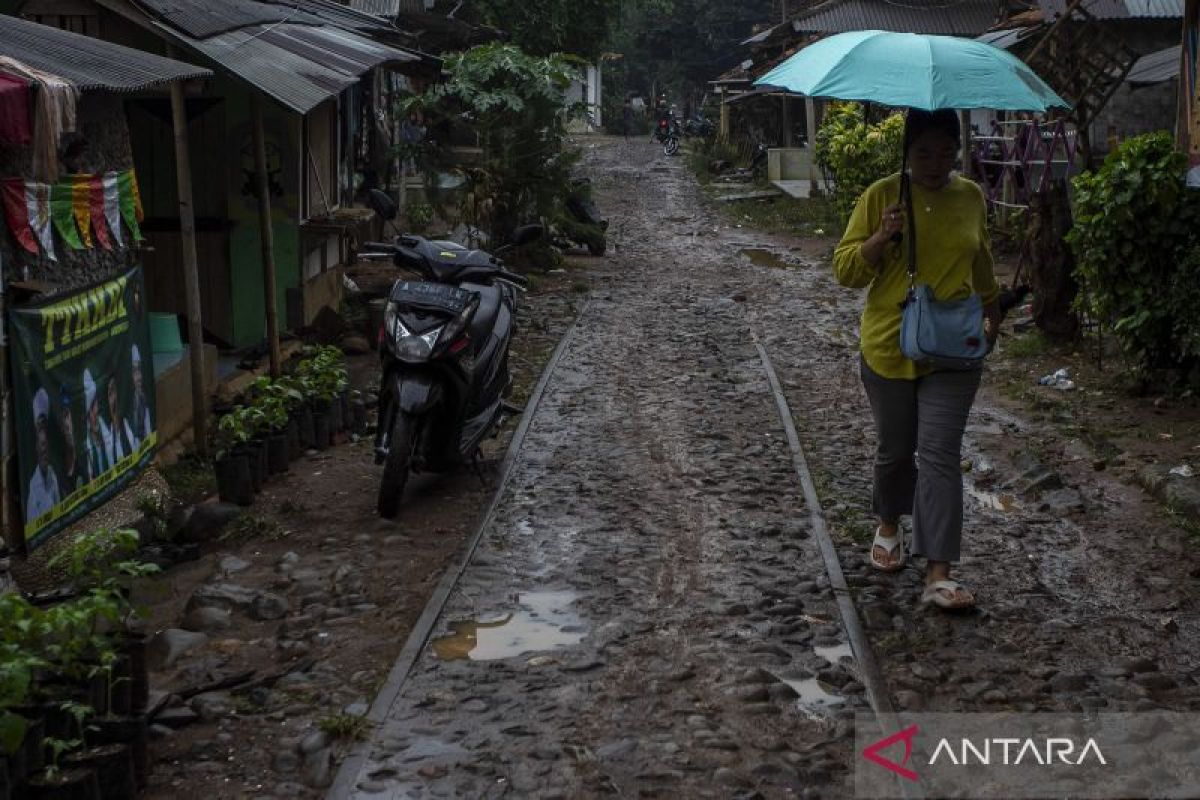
x: 542, y: 27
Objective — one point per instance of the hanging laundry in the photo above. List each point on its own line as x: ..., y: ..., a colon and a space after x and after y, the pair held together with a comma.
x: 95, y: 192
x: 130, y: 203
x: 37, y: 204
x: 62, y: 213
x: 112, y: 207
x: 17, y: 213
x: 15, y: 125
x: 54, y: 114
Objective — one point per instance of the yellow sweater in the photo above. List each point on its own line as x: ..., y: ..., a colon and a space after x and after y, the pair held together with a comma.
x: 954, y: 257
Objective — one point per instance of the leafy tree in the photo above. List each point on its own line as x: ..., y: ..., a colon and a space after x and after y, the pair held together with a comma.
x: 545, y: 27
x: 677, y: 46
x: 514, y: 103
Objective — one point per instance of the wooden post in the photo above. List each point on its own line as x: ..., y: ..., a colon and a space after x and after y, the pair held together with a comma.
x: 267, y: 235
x: 724, y: 127
x: 191, y: 276
x: 810, y: 125
x: 787, y: 121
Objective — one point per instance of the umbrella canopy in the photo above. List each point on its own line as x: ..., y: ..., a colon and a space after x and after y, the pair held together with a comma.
x: 914, y: 71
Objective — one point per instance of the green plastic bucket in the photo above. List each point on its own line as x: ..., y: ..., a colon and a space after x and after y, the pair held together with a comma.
x: 164, y: 332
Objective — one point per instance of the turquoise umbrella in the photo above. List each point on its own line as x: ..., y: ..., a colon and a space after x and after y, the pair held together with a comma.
x: 913, y: 70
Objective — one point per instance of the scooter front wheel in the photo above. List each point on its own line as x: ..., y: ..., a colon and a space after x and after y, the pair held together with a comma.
x: 396, y: 465
x: 671, y: 146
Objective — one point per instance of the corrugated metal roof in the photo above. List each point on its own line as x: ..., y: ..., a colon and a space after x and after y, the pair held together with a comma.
x: 1155, y: 67
x: 89, y: 63
x: 1005, y: 39
x: 211, y: 17
x: 299, y: 65
x: 962, y: 18
x: 1118, y: 9
x: 379, y: 8
x: 763, y: 36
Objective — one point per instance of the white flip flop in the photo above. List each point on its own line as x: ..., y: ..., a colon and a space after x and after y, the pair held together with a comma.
x: 933, y: 594
x: 888, y: 544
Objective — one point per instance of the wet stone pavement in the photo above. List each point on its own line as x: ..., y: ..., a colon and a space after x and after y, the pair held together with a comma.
x: 648, y: 613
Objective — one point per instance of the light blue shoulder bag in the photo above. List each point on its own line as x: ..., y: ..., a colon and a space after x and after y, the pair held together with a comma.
x: 942, y: 334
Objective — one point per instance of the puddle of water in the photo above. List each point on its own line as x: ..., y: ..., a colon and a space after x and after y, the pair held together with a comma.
x: 541, y: 622
x: 815, y: 696
x: 993, y: 500
x: 765, y: 258
x: 835, y: 653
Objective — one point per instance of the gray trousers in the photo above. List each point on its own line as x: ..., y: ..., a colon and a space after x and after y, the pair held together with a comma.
x: 921, y: 422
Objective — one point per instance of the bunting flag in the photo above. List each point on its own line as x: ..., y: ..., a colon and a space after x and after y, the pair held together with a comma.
x: 75, y: 207
x: 137, y: 195
x: 95, y: 188
x: 112, y: 207
x: 81, y: 206
x: 37, y: 205
x: 62, y: 213
x: 130, y: 202
x: 16, y: 211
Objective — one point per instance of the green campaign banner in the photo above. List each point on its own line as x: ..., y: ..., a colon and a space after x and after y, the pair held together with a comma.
x: 83, y: 393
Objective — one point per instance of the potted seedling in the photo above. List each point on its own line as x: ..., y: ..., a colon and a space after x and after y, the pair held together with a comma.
x: 278, y: 401
x: 18, y: 734
x: 56, y: 783
x: 102, y: 563
x: 268, y: 419
x: 234, y: 471
x: 21, y: 717
x: 111, y: 763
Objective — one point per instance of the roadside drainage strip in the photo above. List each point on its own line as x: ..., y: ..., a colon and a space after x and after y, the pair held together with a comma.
x: 348, y: 772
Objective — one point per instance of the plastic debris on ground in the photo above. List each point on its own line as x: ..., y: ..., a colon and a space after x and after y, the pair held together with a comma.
x: 1183, y: 471
x: 1060, y: 379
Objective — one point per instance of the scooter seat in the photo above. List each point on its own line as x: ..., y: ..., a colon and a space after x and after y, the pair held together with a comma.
x: 485, y: 316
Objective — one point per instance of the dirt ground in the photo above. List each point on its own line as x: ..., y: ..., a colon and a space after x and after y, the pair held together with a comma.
x: 648, y: 613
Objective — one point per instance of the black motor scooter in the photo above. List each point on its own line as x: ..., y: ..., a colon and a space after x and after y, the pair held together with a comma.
x: 443, y: 350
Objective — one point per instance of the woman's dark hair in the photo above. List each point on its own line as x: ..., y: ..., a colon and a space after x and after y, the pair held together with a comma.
x: 919, y: 122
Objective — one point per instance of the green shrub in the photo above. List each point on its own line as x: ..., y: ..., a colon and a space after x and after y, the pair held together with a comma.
x: 855, y: 153
x: 420, y: 217
x: 1136, y: 241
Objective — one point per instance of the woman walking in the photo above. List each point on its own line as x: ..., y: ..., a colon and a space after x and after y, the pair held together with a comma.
x: 920, y: 413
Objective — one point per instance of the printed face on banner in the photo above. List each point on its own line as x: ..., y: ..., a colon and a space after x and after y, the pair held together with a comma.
x: 85, y: 415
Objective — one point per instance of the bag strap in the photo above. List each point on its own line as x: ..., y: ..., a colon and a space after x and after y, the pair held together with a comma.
x: 911, y: 235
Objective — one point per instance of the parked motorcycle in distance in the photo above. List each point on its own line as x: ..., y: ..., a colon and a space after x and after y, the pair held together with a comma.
x: 443, y: 350
x: 699, y: 125
x: 667, y: 134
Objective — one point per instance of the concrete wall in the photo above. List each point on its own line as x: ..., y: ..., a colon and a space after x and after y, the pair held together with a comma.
x: 173, y: 394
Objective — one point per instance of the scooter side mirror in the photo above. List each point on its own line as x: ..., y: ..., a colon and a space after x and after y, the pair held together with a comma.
x: 527, y: 233
x: 381, y: 204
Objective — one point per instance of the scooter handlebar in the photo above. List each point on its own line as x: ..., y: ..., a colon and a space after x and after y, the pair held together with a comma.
x: 513, y: 277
